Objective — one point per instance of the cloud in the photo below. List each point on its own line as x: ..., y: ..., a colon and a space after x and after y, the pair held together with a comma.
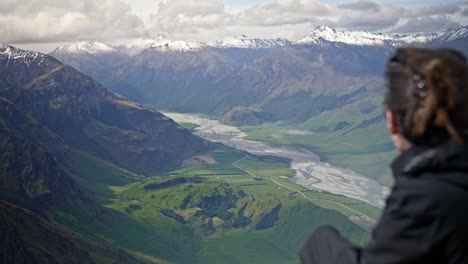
x: 465, y: 12
x: 363, y: 5
x: 284, y: 12
x: 373, y: 18
x: 433, y: 10
x: 209, y: 19
x: 188, y: 16
x: 26, y: 21
x: 35, y: 21
x: 427, y: 24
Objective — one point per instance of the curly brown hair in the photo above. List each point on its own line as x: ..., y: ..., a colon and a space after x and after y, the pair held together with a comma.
x: 428, y: 94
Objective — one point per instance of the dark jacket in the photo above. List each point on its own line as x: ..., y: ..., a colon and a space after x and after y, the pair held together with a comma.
x: 425, y: 219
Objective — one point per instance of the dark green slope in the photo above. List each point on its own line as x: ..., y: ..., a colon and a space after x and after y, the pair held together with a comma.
x: 27, y: 238
x: 30, y: 177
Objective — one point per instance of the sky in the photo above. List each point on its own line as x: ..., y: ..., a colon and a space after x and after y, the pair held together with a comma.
x: 47, y: 23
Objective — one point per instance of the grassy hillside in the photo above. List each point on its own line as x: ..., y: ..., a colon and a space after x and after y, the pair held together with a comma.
x: 242, y: 209
x: 353, y: 136
x: 27, y: 238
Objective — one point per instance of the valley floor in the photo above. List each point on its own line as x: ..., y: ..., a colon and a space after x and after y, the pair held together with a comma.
x: 240, y: 209
x: 310, y: 171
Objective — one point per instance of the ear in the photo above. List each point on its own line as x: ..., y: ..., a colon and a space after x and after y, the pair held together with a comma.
x: 391, y: 122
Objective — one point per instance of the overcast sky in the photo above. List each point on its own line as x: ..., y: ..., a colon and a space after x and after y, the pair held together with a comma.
x: 27, y: 22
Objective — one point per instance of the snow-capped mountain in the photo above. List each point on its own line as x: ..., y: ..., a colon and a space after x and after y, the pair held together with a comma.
x: 452, y: 35
x: 243, y: 42
x: 27, y: 57
x: 328, y: 34
x: 88, y: 56
x: 161, y: 42
x: 240, y: 71
x: 453, y: 38
x: 85, y: 47
x: 179, y: 46
x: 138, y: 45
x: 324, y: 34
x: 415, y: 38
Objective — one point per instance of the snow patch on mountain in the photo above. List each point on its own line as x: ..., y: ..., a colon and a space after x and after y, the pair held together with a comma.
x: 179, y: 46
x: 323, y: 34
x: 85, y: 47
x: 243, y: 42
x: 18, y: 55
x: 361, y: 38
x: 452, y: 34
x: 161, y: 43
x: 414, y: 39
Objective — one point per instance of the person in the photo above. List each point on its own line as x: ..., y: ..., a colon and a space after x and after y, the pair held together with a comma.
x: 425, y: 219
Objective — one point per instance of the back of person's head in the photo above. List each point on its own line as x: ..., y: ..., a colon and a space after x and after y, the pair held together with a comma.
x: 427, y: 94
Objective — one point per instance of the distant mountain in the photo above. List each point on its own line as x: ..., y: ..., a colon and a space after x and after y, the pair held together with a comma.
x: 160, y: 42
x: 88, y: 56
x: 90, y: 118
x: 178, y: 79
x: 243, y: 42
x: 218, y: 80
x: 280, y: 79
x: 85, y: 47
x: 453, y: 38
x: 324, y: 34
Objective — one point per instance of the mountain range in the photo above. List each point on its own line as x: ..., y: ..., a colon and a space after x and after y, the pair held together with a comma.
x: 253, y: 79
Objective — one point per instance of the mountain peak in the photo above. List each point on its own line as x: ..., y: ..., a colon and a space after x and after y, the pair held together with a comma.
x: 178, y: 46
x: 452, y: 34
x: 19, y: 55
x: 84, y: 47
x: 160, y: 43
x: 243, y: 42
x: 329, y: 34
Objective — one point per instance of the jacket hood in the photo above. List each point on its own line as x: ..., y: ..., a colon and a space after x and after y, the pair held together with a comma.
x: 449, y: 161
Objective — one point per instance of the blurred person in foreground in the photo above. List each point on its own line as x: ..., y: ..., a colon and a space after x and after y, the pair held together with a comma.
x: 425, y: 219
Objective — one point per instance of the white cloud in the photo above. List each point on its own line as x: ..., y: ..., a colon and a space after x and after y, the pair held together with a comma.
x: 433, y: 10
x: 427, y: 24
x: 362, y: 5
x: 284, y: 12
x: 372, y: 19
x: 28, y: 21
x: 188, y: 16
x: 24, y: 21
x: 465, y: 12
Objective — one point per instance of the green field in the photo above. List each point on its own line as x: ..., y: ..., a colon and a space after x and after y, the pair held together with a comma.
x: 242, y: 209
x: 353, y: 137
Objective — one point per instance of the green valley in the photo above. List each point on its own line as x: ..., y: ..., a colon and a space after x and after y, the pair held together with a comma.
x: 353, y: 136
x: 241, y: 209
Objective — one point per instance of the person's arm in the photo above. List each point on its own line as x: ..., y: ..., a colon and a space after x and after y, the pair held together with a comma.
x: 404, y: 235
